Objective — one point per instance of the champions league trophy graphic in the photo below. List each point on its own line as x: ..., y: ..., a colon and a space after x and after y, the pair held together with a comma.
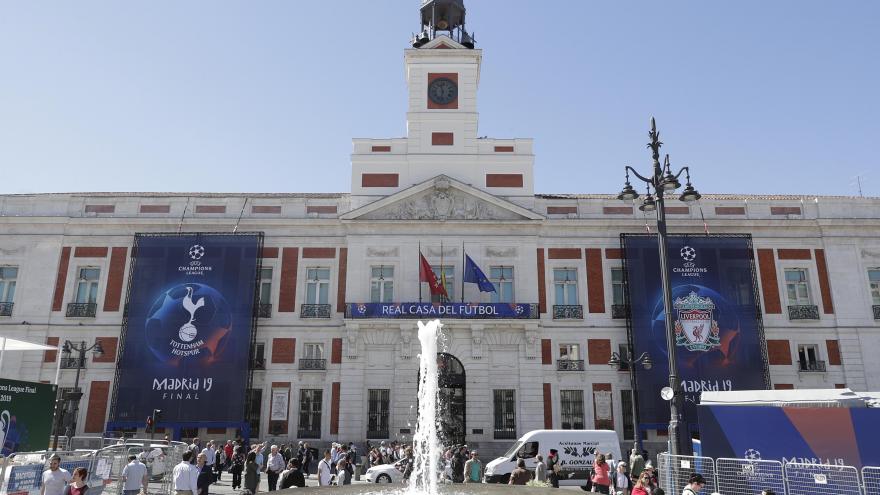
x: 5, y: 424
x: 189, y: 331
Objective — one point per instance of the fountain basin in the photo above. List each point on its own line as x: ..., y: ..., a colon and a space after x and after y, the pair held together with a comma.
x: 446, y: 489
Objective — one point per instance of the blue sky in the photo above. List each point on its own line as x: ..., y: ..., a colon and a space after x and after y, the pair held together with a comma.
x: 220, y: 96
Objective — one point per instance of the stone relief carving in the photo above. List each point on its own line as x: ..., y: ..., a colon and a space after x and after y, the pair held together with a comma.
x: 383, y: 252
x: 500, y: 252
x: 406, y: 335
x: 435, y: 251
x: 867, y: 253
x: 10, y: 252
x: 443, y: 202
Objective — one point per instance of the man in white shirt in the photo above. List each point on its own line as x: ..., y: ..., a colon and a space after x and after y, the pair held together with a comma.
x: 134, y: 476
x: 210, y: 453
x: 324, y: 473
x: 186, y: 476
x: 274, y: 466
x: 54, y: 478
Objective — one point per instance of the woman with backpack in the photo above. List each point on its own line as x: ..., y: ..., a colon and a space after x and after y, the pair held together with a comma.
x: 238, y: 460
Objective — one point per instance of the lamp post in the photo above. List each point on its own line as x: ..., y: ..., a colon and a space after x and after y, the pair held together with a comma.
x: 70, y: 400
x: 662, y: 181
x: 618, y: 362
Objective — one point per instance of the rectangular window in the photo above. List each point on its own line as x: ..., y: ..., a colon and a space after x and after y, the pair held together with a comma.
x: 502, y: 278
x: 618, y: 296
x: 318, y: 286
x: 572, y: 410
x: 258, y: 356
x: 626, y: 408
x: 377, y: 417
x: 313, y: 351
x: 874, y: 281
x: 565, y: 286
x: 569, y: 351
x: 797, y: 287
x: 739, y: 283
x: 255, y: 403
x: 266, y: 285
x: 808, y: 356
x: 8, y: 276
x: 382, y: 284
x: 447, y: 278
x: 310, y: 413
x: 623, y: 352
x: 87, y: 285
x: 505, y: 414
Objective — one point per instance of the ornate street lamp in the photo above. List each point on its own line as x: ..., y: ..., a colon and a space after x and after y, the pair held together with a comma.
x: 70, y: 400
x: 626, y: 361
x: 662, y: 181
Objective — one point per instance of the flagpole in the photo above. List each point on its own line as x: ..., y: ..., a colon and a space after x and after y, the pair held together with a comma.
x: 442, y: 279
x: 420, y: 270
x: 463, y: 265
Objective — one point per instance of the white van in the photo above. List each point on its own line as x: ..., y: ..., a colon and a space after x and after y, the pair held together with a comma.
x: 576, y: 449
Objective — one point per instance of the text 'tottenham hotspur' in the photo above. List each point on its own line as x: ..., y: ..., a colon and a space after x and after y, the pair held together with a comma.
x: 186, y: 349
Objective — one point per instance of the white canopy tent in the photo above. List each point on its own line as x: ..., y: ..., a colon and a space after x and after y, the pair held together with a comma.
x: 10, y: 344
x: 836, y: 397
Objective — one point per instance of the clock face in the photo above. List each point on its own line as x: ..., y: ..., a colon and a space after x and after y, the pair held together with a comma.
x: 442, y: 91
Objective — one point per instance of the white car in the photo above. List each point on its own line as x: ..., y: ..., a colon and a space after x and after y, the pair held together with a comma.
x: 385, y: 473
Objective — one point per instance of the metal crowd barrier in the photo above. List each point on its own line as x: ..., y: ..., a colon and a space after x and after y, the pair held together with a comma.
x: 751, y: 477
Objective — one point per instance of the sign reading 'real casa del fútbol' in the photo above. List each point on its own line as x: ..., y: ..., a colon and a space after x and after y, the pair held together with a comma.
x: 442, y: 310
x: 186, y: 344
x: 719, y: 338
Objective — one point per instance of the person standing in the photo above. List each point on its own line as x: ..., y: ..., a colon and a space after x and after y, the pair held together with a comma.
x: 229, y: 450
x: 206, y: 474
x: 520, y: 475
x: 78, y: 484
x: 342, y: 472
x: 458, y: 461
x: 237, y: 468
x: 196, y: 448
x: 251, y: 473
x: 55, y: 478
x: 293, y: 476
x: 636, y: 464
x: 473, y: 469
x: 601, y: 480
x: 553, y: 468
x: 642, y: 485
x: 308, y: 458
x: 185, y: 476
x: 540, y: 469
x: 408, y: 465
x: 134, y: 477
x: 695, y: 484
x: 324, y: 470
x: 620, y: 480
x: 274, y: 466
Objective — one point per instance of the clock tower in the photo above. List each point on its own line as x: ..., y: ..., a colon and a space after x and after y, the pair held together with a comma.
x: 442, y: 73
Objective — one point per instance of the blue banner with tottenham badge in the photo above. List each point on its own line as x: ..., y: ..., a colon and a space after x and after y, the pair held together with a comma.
x: 719, y: 336
x: 190, y: 319
x: 442, y: 310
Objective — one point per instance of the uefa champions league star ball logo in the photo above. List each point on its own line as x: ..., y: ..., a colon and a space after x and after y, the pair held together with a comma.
x: 188, y: 321
x: 5, y: 426
x: 752, y: 455
x: 688, y: 253
x: 196, y: 251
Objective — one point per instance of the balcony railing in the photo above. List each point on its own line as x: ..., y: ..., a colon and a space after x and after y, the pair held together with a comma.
x: 377, y: 434
x: 570, y: 365
x: 6, y: 309
x: 82, y: 310
x: 618, y: 311
x: 308, y: 433
x: 257, y: 364
x: 568, y: 312
x: 876, y: 311
x: 72, y: 363
x: 313, y: 364
x: 314, y: 311
x: 803, y: 312
x: 264, y: 310
x: 504, y: 434
x: 811, y: 366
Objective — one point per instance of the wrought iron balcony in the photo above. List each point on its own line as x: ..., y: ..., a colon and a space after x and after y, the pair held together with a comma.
x: 264, y: 310
x: 308, y: 433
x: 568, y: 312
x: 377, y: 434
x: 569, y: 365
x: 313, y: 364
x: 6, y: 309
x: 811, y: 366
x: 803, y: 312
x: 72, y: 363
x: 257, y: 364
x: 876, y: 311
x: 314, y: 311
x: 82, y: 310
x: 618, y: 311
x: 505, y: 434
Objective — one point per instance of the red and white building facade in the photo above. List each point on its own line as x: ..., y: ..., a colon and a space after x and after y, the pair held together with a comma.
x: 65, y: 260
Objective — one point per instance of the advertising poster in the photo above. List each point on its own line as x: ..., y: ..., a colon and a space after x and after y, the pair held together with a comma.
x: 26, y: 411
x: 824, y: 435
x: 186, y: 345
x: 719, y: 337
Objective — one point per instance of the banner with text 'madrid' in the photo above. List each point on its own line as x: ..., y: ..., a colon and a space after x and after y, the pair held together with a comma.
x: 718, y: 337
x: 190, y: 318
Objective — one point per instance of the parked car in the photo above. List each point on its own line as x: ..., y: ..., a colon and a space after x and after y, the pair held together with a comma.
x: 385, y: 473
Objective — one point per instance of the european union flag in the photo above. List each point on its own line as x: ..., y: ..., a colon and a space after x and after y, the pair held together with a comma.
x: 473, y: 275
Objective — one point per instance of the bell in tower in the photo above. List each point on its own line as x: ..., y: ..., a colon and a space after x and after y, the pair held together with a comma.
x: 444, y: 16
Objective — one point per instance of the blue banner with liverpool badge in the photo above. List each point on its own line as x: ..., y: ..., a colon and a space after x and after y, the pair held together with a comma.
x: 442, y: 310
x: 187, y: 338
x: 719, y: 336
